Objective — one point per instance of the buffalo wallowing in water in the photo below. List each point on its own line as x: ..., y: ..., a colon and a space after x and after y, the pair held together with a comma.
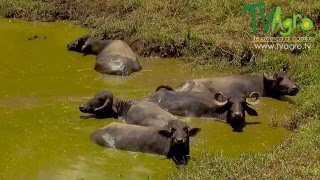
x: 171, y: 141
x: 204, y: 104
x: 152, y: 125
x: 144, y: 113
x: 274, y: 86
x: 114, y: 57
x: 150, y: 129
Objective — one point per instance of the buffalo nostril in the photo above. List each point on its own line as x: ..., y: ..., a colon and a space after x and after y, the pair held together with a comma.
x: 70, y: 47
x: 81, y: 107
x: 179, y: 140
x: 237, y: 114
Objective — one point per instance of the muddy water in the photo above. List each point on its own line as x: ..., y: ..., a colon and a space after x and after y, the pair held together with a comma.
x: 42, y: 134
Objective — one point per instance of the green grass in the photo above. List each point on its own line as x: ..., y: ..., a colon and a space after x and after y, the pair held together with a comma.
x: 211, y: 34
x: 203, y: 28
x: 296, y: 158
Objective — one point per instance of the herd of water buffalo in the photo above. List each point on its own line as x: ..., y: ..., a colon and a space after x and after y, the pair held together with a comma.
x: 153, y: 124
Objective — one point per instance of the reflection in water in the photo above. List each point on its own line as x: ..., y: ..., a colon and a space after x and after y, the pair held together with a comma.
x: 43, y: 134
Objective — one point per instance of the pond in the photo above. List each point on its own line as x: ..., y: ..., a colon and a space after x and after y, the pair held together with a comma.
x: 42, y: 134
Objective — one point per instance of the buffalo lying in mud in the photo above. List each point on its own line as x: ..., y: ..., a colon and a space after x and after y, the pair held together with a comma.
x: 114, y: 57
x: 186, y: 104
x: 144, y: 113
x: 232, y: 109
x: 171, y: 141
x: 204, y: 104
x: 274, y: 86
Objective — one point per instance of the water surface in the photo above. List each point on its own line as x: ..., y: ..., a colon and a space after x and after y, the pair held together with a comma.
x: 42, y: 134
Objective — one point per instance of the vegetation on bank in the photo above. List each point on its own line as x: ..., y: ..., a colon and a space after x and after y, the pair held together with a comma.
x: 296, y: 158
x: 205, y: 29
x: 211, y: 34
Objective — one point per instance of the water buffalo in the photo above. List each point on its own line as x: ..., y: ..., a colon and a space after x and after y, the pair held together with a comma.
x: 232, y: 109
x: 114, y: 57
x: 171, y: 141
x: 143, y: 113
x: 204, y: 104
x: 274, y: 86
x: 186, y: 104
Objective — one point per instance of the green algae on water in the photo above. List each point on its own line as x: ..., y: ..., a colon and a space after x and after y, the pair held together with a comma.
x: 44, y: 136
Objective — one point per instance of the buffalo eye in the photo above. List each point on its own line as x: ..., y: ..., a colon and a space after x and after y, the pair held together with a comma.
x: 172, y: 129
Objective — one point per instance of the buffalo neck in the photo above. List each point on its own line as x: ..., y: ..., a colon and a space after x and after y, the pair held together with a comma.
x: 221, y: 113
x: 164, y: 147
x: 269, y: 89
x: 99, y: 46
x: 122, y: 106
x: 106, y: 113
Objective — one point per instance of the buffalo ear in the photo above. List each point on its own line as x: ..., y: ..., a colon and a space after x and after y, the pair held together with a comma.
x: 165, y: 133
x: 251, y: 111
x: 194, y: 131
x: 83, y: 38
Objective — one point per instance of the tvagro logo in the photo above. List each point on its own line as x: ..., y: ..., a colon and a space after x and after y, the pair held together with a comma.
x: 273, y: 23
x: 275, y: 20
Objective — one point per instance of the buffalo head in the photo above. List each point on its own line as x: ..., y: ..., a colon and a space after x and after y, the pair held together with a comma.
x: 280, y: 84
x: 87, y: 45
x: 179, y: 134
x: 100, y: 105
x: 235, y: 107
x: 77, y: 45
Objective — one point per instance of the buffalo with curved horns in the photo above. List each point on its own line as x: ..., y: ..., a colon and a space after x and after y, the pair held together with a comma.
x: 232, y: 109
x: 143, y: 113
x: 274, y: 86
x: 203, y: 104
x: 165, y: 134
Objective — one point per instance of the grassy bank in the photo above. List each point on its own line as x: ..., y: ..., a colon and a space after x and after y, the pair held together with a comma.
x: 206, y: 29
x: 210, y: 34
x: 296, y: 158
